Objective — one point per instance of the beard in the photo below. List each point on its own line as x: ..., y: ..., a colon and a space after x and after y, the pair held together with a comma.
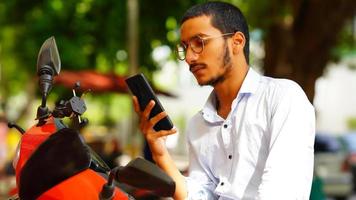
x: 226, y: 65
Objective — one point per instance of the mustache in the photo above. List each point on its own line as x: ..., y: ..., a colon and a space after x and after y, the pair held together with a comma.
x: 195, y: 66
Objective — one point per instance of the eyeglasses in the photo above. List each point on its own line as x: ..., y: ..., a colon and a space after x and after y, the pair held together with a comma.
x: 196, y: 43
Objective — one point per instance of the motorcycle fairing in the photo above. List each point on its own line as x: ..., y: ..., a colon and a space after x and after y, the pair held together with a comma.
x: 85, y: 185
x: 61, y: 156
x: 30, y: 140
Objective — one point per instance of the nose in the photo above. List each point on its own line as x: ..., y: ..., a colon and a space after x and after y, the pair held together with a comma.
x: 191, y: 56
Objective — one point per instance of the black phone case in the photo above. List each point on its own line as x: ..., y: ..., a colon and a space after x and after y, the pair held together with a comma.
x: 140, y: 87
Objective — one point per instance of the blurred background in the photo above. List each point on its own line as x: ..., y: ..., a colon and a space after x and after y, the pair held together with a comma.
x: 101, y: 42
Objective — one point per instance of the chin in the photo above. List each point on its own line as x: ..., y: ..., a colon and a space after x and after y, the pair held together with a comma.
x: 202, y: 82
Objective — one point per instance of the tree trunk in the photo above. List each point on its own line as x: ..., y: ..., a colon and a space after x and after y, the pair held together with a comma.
x: 133, y: 11
x: 300, y: 50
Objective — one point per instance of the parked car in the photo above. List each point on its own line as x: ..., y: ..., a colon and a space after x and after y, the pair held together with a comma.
x: 331, y: 166
x: 349, y: 141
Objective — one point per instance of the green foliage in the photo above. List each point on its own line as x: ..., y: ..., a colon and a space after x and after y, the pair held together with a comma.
x: 347, y: 44
x: 107, y: 109
x: 351, y: 122
x: 92, y: 34
x: 159, y: 23
x: 84, y: 30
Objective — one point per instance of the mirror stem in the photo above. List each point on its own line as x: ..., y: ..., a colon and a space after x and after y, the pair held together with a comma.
x: 108, y: 189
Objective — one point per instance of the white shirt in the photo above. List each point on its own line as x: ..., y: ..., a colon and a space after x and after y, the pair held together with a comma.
x: 263, y: 150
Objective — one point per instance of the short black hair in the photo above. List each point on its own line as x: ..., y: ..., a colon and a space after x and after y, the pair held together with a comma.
x: 224, y: 16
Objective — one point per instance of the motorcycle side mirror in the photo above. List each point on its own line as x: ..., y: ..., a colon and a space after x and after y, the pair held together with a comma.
x: 48, y: 55
x: 48, y: 65
x: 140, y: 173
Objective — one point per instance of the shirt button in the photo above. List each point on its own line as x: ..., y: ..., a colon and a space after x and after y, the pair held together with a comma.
x: 222, y: 183
x: 225, y: 125
x: 230, y: 156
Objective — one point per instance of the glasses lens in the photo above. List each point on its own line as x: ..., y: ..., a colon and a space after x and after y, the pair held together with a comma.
x: 180, y: 51
x: 197, y: 44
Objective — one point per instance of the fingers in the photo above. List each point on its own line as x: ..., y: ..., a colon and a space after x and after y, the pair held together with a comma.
x: 166, y: 133
x: 135, y: 104
x: 158, y: 118
x: 148, y: 109
x: 146, y: 113
x: 161, y: 134
x: 146, y: 124
x: 150, y: 123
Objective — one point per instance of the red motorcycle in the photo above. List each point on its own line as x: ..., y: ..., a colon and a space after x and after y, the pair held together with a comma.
x: 53, y: 161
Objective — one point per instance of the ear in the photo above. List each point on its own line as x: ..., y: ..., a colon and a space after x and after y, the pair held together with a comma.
x: 238, y: 42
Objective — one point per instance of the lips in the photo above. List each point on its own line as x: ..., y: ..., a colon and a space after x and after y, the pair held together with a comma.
x: 196, y: 67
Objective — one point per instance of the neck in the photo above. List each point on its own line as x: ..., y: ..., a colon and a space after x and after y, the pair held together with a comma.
x: 227, y: 90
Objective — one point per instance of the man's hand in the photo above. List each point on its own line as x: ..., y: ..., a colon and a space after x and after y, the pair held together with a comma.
x: 154, y: 138
x: 159, y: 151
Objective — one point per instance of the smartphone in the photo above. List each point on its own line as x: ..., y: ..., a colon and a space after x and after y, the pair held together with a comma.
x: 140, y: 87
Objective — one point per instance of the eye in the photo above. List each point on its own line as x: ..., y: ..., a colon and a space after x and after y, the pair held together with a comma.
x: 196, y: 42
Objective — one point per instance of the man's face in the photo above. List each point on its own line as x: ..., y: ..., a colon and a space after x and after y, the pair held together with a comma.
x: 211, y: 65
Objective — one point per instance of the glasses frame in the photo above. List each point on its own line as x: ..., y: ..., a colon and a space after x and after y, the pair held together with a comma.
x: 203, y: 40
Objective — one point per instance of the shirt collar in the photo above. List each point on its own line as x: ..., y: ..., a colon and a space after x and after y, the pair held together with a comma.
x: 251, y: 82
x: 209, y: 112
x: 249, y: 86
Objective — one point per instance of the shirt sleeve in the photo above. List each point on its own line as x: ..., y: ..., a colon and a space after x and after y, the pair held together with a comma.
x: 199, y: 185
x: 288, y: 171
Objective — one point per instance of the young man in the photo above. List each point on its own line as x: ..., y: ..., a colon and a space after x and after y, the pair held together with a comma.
x: 254, y: 137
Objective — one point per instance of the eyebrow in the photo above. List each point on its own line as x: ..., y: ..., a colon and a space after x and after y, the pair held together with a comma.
x: 196, y: 35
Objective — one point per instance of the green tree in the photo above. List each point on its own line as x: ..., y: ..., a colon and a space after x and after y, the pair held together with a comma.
x: 90, y: 34
x: 299, y: 36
